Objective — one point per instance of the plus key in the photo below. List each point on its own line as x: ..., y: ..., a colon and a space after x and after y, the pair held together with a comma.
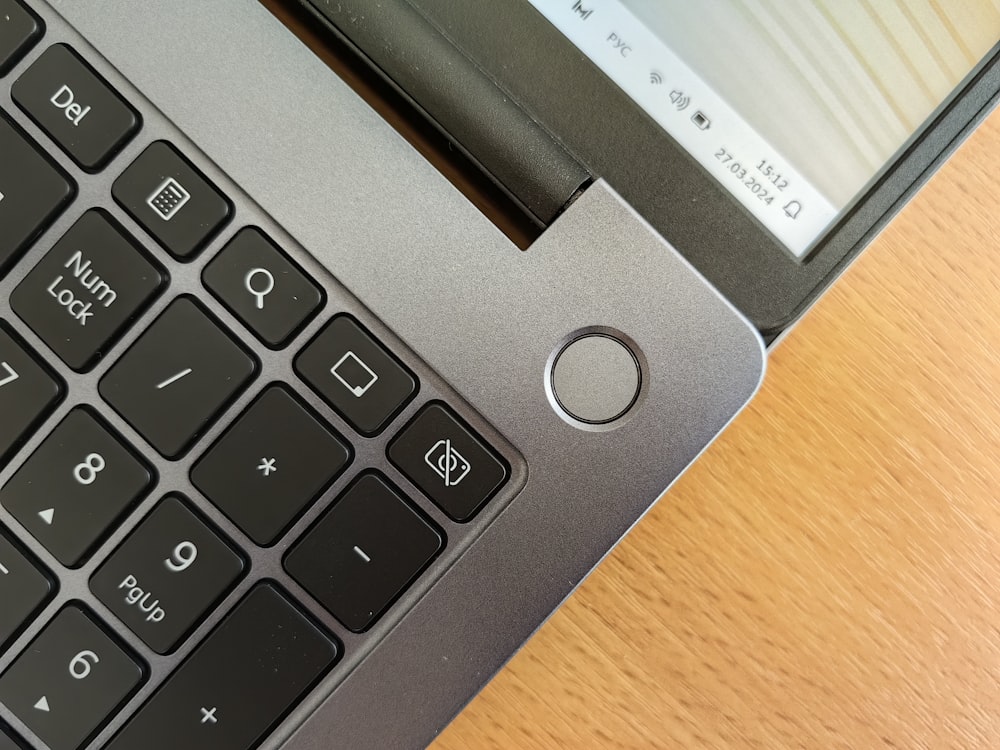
x: 240, y: 681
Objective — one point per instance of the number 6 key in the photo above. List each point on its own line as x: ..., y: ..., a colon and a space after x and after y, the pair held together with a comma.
x: 75, y: 486
x: 69, y: 680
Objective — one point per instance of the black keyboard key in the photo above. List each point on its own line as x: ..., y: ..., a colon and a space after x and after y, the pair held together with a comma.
x: 33, y: 191
x: 70, y: 680
x: 74, y: 487
x: 447, y: 460
x: 356, y: 375
x: 23, y: 589
x: 87, y: 290
x: 28, y: 392
x: 167, y: 575
x: 251, y: 671
x: 275, y: 460
x: 176, y: 379
x: 271, y: 295
x: 19, y: 30
x: 76, y: 107
x: 172, y: 200
x: 364, y: 552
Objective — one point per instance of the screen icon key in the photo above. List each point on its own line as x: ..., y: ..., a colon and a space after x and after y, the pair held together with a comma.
x: 356, y: 376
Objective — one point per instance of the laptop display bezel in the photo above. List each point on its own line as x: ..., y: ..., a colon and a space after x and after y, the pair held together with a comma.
x: 544, y: 74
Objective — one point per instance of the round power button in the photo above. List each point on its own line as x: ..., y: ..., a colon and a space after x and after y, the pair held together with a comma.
x: 596, y: 378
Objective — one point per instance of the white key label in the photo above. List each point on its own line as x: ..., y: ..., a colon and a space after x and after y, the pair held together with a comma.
x: 182, y: 557
x: 81, y: 664
x: 136, y: 596
x: 10, y: 376
x: 174, y: 378
x: 86, y: 472
x: 65, y: 100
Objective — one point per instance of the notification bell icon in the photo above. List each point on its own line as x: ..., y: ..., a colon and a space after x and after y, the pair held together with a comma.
x: 793, y: 209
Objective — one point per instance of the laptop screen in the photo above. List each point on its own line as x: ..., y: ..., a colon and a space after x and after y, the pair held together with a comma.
x: 793, y: 106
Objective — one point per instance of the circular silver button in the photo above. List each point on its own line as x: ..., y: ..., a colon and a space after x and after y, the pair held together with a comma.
x: 596, y: 378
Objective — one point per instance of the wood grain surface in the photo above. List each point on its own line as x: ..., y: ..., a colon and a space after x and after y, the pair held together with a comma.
x: 828, y: 574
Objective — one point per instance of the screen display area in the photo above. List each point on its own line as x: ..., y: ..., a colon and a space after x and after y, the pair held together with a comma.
x: 794, y: 106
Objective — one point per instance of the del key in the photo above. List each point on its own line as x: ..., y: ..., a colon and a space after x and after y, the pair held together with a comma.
x: 76, y: 107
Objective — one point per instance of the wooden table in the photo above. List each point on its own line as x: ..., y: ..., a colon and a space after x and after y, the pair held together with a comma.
x: 828, y: 574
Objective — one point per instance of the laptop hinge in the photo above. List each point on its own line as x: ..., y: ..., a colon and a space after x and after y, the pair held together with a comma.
x: 442, y: 83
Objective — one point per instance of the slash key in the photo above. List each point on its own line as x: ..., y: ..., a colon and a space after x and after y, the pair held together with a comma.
x: 178, y: 377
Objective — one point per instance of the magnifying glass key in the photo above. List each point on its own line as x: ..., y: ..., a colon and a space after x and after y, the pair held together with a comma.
x: 260, y: 283
x: 262, y: 286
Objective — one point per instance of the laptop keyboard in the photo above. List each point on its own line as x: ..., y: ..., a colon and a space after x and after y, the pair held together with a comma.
x: 222, y: 481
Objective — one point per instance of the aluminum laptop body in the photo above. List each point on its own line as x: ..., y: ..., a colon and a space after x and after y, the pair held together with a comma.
x: 549, y: 395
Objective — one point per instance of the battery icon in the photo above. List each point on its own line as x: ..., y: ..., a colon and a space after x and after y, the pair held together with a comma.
x: 701, y: 120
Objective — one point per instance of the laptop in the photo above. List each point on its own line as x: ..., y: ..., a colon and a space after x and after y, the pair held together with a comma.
x: 296, y: 447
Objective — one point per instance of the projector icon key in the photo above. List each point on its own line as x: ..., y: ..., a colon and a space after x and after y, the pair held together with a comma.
x: 447, y: 463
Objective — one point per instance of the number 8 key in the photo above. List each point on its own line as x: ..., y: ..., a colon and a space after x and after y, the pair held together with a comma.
x: 73, y: 489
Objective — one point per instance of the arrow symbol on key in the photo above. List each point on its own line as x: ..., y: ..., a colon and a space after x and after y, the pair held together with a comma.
x: 11, y: 375
x: 43, y: 704
x: 47, y: 515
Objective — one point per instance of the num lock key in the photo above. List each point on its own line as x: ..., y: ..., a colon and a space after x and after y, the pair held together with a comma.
x: 87, y: 290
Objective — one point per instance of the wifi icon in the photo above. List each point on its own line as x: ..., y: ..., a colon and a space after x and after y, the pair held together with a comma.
x: 655, y: 77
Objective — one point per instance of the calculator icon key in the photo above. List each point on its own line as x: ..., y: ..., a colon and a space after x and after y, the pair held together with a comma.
x: 168, y: 199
